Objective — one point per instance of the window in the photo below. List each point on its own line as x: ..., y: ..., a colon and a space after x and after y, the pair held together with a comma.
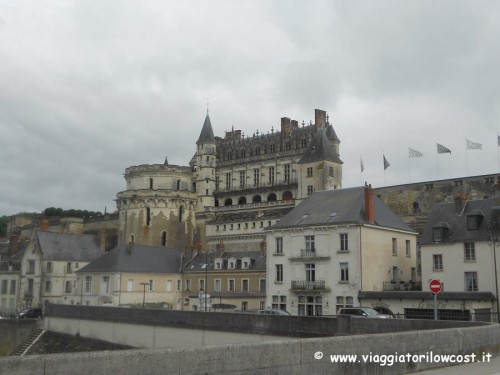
x: 469, y: 252
x: 31, y: 267
x: 217, y: 285
x: 67, y: 287
x: 170, y: 286
x: 310, y: 272
x: 68, y: 267
x: 262, y: 305
x: 408, y: 248
x: 303, y: 143
x: 344, y: 272
x: 228, y: 181
x: 202, y: 284
x: 472, y: 222
x: 437, y: 234
x: 310, y: 305
x: 262, y: 285
x: 179, y: 283
x: 270, y: 172
x: 244, y: 305
x: 244, y: 285
x: 310, y: 244
x: 344, y: 242
x: 187, y: 285
x: 12, y: 286
x: 287, y: 173
x: 30, y: 286
x: 309, y: 172
x: 471, y: 282
x: 279, y: 273
x: 5, y: 286
x: 257, y: 150
x: 279, y: 245
x: 279, y: 302
x: 105, y: 285
x: 88, y: 284
x: 148, y: 216
x: 330, y: 172
x: 437, y: 262
x: 48, y: 267
x: 164, y: 238
x: 217, y: 183
x: 242, y: 179
x: 287, y: 146
x: 230, y: 285
x: 256, y: 177
x: 130, y: 285
x: 394, y: 246
x: 344, y: 302
x: 310, y: 189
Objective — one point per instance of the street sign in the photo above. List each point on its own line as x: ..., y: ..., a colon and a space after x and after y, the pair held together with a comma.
x: 435, y: 286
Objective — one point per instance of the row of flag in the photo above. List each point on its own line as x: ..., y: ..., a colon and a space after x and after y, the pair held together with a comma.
x: 412, y: 153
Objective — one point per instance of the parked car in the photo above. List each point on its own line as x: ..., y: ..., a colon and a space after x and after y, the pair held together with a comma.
x: 366, y: 312
x: 30, y: 314
x: 274, y: 312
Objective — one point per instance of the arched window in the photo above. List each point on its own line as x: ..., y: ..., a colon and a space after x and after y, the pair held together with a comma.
x: 193, y: 187
x: 178, y: 184
x: 164, y: 238
x: 216, y: 203
x: 271, y: 197
x: 242, y: 200
x: 287, y: 196
x: 256, y: 199
x: 228, y: 202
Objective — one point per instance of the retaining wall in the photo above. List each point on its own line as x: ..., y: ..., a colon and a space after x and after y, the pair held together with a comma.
x: 13, y: 332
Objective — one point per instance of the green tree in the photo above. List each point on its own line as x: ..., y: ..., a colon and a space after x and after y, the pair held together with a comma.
x: 3, y: 226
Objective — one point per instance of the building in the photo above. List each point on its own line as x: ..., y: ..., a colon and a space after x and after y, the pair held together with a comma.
x: 132, y: 274
x: 225, y: 281
x: 332, y: 246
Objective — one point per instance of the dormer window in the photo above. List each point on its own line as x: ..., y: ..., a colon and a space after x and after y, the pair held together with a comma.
x: 474, y: 220
x: 439, y: 231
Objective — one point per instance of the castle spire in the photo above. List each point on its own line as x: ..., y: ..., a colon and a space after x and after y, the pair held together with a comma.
x: 207, y: 134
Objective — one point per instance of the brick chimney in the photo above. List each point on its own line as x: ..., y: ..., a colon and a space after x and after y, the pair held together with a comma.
x: 44, y: 224
x: 285, y: 126
x: 369, y: 204
x: 263, y: 247
x: 319, y: 118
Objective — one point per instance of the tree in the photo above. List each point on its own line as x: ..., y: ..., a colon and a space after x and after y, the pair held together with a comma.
x: 3, y: 226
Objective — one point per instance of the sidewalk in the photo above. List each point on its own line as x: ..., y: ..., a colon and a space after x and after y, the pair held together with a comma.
x: 489, y: 368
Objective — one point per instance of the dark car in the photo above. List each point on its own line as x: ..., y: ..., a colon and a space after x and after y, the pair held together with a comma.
x: 30, y: 314
x: 367, y: 312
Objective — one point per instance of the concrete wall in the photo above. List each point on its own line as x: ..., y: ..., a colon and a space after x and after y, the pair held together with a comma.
x: 13, y: 332
x: 278, y: 357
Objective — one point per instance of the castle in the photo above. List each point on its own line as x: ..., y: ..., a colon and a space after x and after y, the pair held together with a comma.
x: 232, y: 188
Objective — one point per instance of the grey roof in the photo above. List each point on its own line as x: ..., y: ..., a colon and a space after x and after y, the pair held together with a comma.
x: 197, y: 263
x: 137, y: 259
x: 320, y: 149
x: 425, y: 295
x: 444, y: 215
x: 331, y: 134
x: 68, y: 247
x: 207, y: 134
x: 335, y: 207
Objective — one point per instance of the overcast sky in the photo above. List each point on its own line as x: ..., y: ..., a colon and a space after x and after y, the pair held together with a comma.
x: 88, y: 88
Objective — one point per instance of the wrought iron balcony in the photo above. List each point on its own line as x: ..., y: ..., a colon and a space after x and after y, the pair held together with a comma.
x: 308, y: 253
x: 308, y: 285
x: 401, y: 285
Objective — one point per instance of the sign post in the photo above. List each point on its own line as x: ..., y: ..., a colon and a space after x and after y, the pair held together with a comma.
x: 435, y: 287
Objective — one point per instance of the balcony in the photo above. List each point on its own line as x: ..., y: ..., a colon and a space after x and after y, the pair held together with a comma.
x: 307, y: 254
x: 300, y: 285
x: 401, y: 285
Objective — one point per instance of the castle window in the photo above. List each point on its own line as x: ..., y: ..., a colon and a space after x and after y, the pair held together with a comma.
x: 181, y: 209
x: 309, y: 171
x: 287, y: 146
x: 242, y: 200
x: 228, y: 181
x: 228, y: 202
x: 151, y: 183
x: 287, y: 173
x: 178, y: 184
x: 271, y: 175
x: 272, y: 148
x: 256, y: 199
x: 148, y: 216
x: 310, y: 189
x: 331, y: 171
x: 164, y: 238
x: 256, y: 177
x: 303, y: 143
x: 242, y: 179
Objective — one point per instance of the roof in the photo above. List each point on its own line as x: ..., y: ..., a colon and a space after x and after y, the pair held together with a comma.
x: 425, y: 295
x: 336, y: 207
x: 137, y: 259
x: 207, y: 134
x: 199, y: 260
x: 68, y: 247
x: 445, y: 215
x: 320, y: 149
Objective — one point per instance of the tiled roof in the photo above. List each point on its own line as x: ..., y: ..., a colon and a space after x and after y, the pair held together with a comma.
x: 69, y: 247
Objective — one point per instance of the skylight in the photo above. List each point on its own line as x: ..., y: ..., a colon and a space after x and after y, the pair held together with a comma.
x: 333, y: 214
x: 305, y: 216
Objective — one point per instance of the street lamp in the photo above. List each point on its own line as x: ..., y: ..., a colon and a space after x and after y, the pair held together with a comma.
x: 144, y: 293
x: 494, y: 242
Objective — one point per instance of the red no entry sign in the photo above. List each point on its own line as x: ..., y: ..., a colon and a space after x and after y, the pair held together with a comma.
x: 435, y: 286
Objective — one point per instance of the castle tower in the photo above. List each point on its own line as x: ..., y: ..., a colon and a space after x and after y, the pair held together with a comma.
x: 205, y: 166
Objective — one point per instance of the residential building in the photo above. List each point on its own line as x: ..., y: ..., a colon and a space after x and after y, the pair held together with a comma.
x: 133, y: 274
x: 333, y: 245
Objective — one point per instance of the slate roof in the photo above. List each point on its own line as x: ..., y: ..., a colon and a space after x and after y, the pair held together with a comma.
x: 335, y: 207
x: 137, y: 259
x: 68, y: 247
x: 425, y: 295
x: 444, y: 215
x: 198, y: 261
x: 320, y: 149
x: 207, y: 133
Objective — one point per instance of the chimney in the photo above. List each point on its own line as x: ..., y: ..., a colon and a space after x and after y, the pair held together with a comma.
x: 459, y: 203
x: 102, y: 239
x: 44, y: 224
x: 13, y: 244
x: 319, y: 118
x: 285, y: 126
x: 219, y: 249
x: 263, y: 247
x: 369, y: 204
x: 294, y: 124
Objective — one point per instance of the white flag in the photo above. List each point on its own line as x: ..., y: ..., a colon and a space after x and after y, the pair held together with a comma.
x: 473, y: 145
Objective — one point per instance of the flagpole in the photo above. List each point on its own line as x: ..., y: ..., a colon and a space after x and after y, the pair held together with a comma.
x: 498, y: 152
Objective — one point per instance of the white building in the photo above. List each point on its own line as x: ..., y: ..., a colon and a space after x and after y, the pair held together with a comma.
x: 333, y: 245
